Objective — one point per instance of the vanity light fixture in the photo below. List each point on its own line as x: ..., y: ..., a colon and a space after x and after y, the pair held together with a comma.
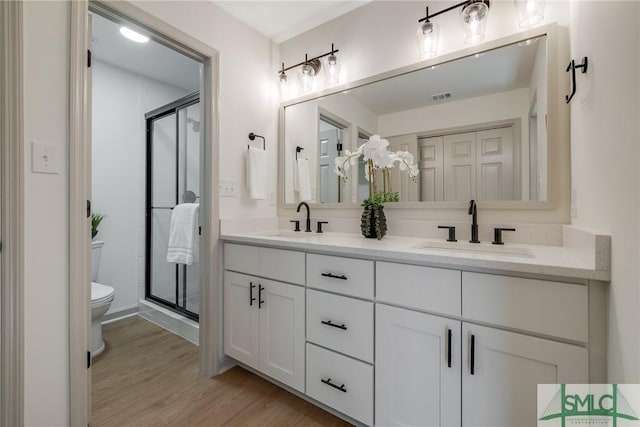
x: 473, y: 15
x: 428, y: 35
x: 133, y: 36
x: 530, y: 12
x: 308, y: 71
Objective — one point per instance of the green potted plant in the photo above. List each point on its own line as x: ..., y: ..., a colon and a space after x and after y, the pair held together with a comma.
x: 96, y: 219
x: 377, y: 158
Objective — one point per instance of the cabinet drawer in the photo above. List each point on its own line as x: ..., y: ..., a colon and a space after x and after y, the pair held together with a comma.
x: 342, y: 275
x: 340, y: 382
x: 551, y: 308
x: 424, y: 288
x: 279, y: 264
x: 241, y: 258
x: 340, y: 323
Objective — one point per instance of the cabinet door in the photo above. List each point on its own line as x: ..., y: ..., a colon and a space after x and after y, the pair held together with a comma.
x: 415, y: 384
x: 241, y: 318
x: 282, y: 336
x: 502, y: 371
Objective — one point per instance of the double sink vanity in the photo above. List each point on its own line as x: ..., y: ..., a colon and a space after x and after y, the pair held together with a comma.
x: 413, y: 331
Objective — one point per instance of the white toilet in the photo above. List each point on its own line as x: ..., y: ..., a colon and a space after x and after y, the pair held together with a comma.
x: 101, y: 297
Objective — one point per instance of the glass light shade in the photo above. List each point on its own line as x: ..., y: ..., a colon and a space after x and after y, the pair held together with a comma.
x: 332, y: 70
x: 428, y: 35
x: 530, y: 12
x: 474, y: 19
x: 307, y: 75
x: 284, y: 86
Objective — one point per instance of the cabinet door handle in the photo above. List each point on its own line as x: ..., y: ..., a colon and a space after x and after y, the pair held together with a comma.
x: 251, y: 297
x: 330, y: 323
x: 334, y: 276
x: 449, y: 338
x: 330, y: 384
x: 473, y: 355
x: 260, y: 301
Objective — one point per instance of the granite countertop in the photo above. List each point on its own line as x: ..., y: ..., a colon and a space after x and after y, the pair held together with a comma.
x: 556, y: 261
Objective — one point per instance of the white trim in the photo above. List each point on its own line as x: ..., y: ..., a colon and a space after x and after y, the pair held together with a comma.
x: 11, y: 226
x: 210, y: 306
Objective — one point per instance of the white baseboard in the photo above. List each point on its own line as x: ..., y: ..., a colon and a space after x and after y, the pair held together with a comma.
x: 167, y: 319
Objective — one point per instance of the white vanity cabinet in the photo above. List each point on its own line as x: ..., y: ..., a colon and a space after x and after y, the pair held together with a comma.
x: 264, y: 320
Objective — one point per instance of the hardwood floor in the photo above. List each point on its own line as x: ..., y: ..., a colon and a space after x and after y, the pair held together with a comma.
x: 149, y: 377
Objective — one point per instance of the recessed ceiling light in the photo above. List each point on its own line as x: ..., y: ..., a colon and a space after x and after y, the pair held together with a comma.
x: 133, y: 36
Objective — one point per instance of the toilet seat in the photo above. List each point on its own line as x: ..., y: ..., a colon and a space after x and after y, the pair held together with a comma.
x: 101, y: 293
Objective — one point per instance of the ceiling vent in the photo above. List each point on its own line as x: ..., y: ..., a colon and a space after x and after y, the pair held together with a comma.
x: 441, y: 96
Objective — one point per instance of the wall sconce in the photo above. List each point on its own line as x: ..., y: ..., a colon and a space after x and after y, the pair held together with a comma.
x: 530, y: 12
x: 474, y: 15
x: 308, y: 71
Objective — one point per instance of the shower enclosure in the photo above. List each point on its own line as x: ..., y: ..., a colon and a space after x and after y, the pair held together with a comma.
x: 173, y: 177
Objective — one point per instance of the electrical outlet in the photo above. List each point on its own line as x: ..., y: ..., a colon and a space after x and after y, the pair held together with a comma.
x: 44, y: 158
x: 228, y: 188
x: 574, y: 202
x: 271, y: 197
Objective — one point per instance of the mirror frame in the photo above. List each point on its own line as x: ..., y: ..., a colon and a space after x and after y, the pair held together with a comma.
x: 557, y: 124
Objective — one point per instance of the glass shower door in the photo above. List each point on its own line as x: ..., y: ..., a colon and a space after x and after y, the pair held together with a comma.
x: 173, y: 177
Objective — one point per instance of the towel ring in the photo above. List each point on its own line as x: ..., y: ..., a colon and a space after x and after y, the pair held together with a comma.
x: 253, y: 136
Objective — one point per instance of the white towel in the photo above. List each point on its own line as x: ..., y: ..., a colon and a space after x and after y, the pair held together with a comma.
x: 303, y: 180
x: 257, y: 173
x: 182, y: 234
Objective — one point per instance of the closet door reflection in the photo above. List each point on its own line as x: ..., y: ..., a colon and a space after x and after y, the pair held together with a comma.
x: 173, y: 177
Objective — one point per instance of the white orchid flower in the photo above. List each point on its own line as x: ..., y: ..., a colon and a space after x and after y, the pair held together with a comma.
x: 376, y: 150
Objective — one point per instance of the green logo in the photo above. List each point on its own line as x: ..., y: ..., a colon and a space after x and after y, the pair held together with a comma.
x: 603, y: 406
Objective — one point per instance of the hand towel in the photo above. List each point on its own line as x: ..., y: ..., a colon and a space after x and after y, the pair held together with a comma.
x: 303, y: 180
x: 182, y: 234
x: 257, y: 173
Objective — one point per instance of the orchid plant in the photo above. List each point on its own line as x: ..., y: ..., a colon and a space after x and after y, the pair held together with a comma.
x: 377, y: 156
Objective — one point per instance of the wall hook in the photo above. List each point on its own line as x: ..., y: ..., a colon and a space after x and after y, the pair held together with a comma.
x: 572, y: 67
x: 253, y: 136
x: 298, y: 149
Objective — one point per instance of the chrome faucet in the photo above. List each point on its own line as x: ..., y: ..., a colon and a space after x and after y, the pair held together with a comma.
x: 308, y: 228
x: 473, y: 210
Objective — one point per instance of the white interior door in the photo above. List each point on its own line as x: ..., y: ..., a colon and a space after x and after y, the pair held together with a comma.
x: 460, y: 166
x: 329, y: 181
x: 407, y: 188
x: 431, y: 165
x: 502, y: 370
x: 495, y: 169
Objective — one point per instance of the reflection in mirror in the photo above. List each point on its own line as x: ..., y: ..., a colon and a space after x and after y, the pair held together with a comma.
x: 476, y: 126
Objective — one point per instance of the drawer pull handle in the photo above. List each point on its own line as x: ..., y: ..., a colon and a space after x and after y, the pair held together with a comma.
x: 473, y: 355
x: 251, y: 297
x: 334, y: 276
x: 260, y: 301
x: 449, y: 336
x: 337, y: 387
x: 330, y: 323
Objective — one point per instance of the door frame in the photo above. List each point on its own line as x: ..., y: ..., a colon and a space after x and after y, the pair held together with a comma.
x: 80, y: 192
x: 11, y: 225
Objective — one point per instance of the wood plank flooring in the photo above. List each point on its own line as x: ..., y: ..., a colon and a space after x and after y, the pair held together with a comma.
x: 149, y: 377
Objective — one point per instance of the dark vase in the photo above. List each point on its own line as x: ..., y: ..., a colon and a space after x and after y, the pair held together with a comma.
x: 93, y: 232
x: 374, y: 223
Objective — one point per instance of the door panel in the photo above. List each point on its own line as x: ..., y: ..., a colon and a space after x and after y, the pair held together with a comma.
x: 495, y: 180
x: 460, y: 166
x: 241, y: 319
x: 431, y: 165
x: 329, y: 181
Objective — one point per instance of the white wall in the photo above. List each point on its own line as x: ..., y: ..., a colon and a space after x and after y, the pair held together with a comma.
x: 245, y: 105
x: 248, y: 92
x: 605, y: 148
x: 46, y: 275
x: 120, y: 100
x: 380, y: 37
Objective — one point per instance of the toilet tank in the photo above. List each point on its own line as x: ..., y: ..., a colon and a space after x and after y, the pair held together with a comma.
x: 96, y: 249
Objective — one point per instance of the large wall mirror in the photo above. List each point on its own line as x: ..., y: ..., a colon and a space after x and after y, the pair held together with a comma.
x: 476, y: 124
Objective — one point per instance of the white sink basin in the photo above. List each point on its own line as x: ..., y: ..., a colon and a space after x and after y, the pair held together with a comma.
x: 476, y: 248
x: 289, y: 234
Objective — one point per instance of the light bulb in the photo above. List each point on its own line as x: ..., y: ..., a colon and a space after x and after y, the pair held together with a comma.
x: 332, y: 70
x: 427, y: 38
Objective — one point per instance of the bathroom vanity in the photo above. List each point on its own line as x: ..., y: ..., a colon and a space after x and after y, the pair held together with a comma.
x: 409, y: 331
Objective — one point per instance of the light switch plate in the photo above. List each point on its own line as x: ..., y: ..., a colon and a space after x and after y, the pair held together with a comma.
x: 228, y: 188
x: 44, y: 158
x: 272, y: 197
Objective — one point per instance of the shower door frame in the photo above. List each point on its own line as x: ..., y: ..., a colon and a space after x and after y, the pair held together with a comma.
x: 159, y: 113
